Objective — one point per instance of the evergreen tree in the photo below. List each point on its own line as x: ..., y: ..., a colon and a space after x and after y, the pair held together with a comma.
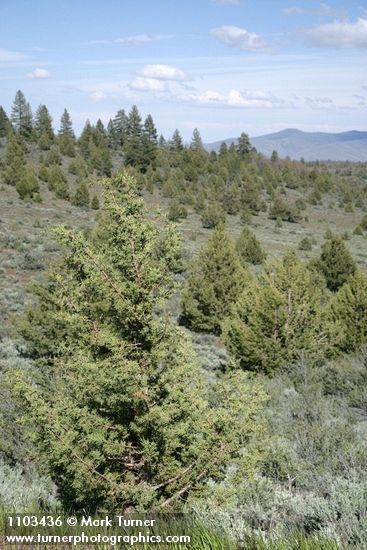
x: 43, y: 123
x: 120, y: 125
x: 244, y: 146
x: 176, y: 141
x: 5, y: 125
x: 66, y: 135
x: 28, y: 186
x: 14, y: 160
x: 212, y: 216
x: 150, y: 130
x: 66, y: 125
x: 81, y: 197
x: 249, y: 248
x: 122, y: 418
x: 196, y: 141
x: 277, y: 317
x: 348, y: 310
x: 21, y: 115
x: 335, y: 262
x: 215, y: 282
x: 95, y: 203
x: 57, y: 182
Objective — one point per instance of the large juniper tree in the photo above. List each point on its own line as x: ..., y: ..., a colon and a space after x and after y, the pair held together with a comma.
x: 120, y: 416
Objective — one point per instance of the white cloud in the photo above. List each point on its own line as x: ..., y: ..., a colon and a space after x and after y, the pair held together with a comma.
x: 148, y: 84
x: 339, y: 34
x: 6, y: 55
x: 227, y: 2
x: 163, y: 72
x: 324, y: 10
x: 235, y: 98
x: 39, y: 74
x: 236, y: 37
x: 136, y: 40
x: 98, y: 96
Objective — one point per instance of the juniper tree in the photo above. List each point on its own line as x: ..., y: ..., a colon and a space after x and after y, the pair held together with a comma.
x: 335, y: 262
x: 66, y: 135
x: 277, y: 317
x: 14, y: 160
x: 215, y: 282
x: 5, y: 125
x: 81, y: 196
x: 28, y: 186
x: 348, y: 310
x: 122, y: 418
x: 43, y: 123
x: 249, y: 248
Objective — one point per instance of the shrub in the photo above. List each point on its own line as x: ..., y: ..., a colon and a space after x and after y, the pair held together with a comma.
x: 249, y: 248
x: 212, y: 216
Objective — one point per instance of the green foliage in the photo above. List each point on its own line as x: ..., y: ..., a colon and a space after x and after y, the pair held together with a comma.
x: 215, y: 281
x: 14, y: 161
x: 94, y: 203
x: 28, y: 185
x: 348, y: 309
x: 57, y: 182
x: 305, y: 244
x: 5, y: 125
x: 249, y: 248
x: 81, y: 197
x: 276, y: 318
x: 21, y: 116
x: 176, y: 212
x: 213, y: 216
x: 43, y: 127
x: 335, y: 262
x: 283, y: 210
x: 53, y: 156
x: 122, y: 417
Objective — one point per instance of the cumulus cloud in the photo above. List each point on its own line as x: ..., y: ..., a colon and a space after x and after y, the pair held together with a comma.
x: 148, y: 84
x: 163, y: 72
x: 39, y: 74
x: 339, y: 34
x: 7, y: 55
x: 235, y: 98
x: 236, y: 37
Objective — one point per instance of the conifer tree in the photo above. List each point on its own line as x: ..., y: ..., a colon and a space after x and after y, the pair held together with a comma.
x: 176, y: 141
x: 28, y: 186
x: 277, y: 317
x: 95, y: 203
x: 14, y: 160
x: 120, y: 125
x: 196, y: 141
x: 43, y: 123
x: 249, y: 248
x: 81, y: 197
x: 122, y: 418
x: 348, y: 310
x: 57, y: 182
x: 244, y: 146
x: 5, y: 125
x: 335, y: 262
x: 215, y: 282
x: 21, y: 115
x: 150, y: 130
x: 66, y: 135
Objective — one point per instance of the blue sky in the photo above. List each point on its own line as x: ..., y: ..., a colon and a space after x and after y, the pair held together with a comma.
x: 224, y: 66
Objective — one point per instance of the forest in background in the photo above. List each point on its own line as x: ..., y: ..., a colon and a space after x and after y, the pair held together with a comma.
x: 208, y: 357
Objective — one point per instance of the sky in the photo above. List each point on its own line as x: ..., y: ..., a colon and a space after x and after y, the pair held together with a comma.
x: 223, y: 66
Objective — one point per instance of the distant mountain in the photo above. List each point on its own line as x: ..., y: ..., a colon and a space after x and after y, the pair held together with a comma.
x: 296, y: 144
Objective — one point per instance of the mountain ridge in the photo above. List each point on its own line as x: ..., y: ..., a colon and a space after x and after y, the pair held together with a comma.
x: 296, y: 144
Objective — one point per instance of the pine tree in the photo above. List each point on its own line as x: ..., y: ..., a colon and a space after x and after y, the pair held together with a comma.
x: 150, y: 130
x: 335, y: 262
x: 244, y: 146
x: 122, y: 419
x: 249, y: 248
x: 66, y: 135
x: 120, y: 125
x: 176, y: 141
x: 43, y: 123
x: 277, y: 317
x: 348, y: 310
x: 66, y: 125
x: 21, y: 116
x: 5, y: 125
x: 196, y: 141
x: 215, y: 282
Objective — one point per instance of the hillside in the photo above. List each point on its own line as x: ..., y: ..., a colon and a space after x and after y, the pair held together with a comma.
x: 345, y: 146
